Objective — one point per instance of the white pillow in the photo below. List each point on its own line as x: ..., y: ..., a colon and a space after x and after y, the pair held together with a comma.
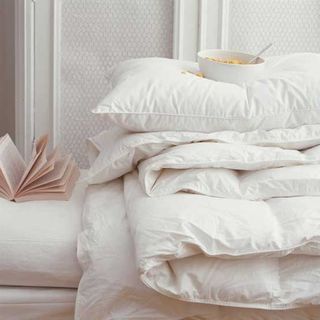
x: 156, y: 94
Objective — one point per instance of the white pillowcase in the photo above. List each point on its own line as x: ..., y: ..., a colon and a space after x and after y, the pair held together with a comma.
x: 156, y: 94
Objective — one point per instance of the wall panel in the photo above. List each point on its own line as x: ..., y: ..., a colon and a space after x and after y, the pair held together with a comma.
x: 7, y: 69
x: 94, y: 36
x: 83, y: 39
x: 292, y: 25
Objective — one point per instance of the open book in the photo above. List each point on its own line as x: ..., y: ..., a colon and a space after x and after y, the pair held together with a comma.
x: 44, y: 178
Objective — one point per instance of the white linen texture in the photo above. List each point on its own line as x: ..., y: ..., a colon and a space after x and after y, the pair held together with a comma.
x: 218, y: 246
x: 111, y: 288
x: 204, y: 197
x: 155, y: 94
x: 202, y: 163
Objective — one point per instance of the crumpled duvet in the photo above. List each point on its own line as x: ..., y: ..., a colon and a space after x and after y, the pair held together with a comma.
x: 227, y: 252
x: 111, y: 289
x: 227, y: 218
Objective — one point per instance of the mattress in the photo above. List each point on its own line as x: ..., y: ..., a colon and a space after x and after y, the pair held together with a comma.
x: 18, y: 303
x: 38, y: 242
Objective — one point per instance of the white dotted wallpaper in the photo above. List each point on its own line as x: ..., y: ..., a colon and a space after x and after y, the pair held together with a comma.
x: 95, y: 36
x: 292, y: 25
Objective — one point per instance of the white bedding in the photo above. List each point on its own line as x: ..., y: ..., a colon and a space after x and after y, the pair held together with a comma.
x: 111, y: 289
x: 155, y: 94
x: 225, y: 250
x: 178, y: 238
x: 31, y: 303
x: 218, y: 220
x: 38, y: 242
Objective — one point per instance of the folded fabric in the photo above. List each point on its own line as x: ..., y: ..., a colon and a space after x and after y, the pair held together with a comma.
x: 205, y: 168
x: 227, y: 251
x: 224, y: 183
x: 116, y: 152
x: 258, y: 254
x: 106, y: 253
x: 111, y: 288
x: 249, y: 237
x: 172, y: 162
x: 36, y: 303
x: 160, y: 94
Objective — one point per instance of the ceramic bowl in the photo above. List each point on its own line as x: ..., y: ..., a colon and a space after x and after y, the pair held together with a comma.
x: 222, y: 69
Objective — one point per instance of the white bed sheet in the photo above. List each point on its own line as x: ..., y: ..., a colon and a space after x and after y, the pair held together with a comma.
x: 29, y: 303
x: 38, y: 242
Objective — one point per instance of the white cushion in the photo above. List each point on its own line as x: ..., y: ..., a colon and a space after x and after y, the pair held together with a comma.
x: 157, y: 94
x: 38, y: 242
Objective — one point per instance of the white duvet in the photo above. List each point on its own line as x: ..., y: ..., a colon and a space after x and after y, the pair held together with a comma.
x: 111, y: 289
x: 227, y: 218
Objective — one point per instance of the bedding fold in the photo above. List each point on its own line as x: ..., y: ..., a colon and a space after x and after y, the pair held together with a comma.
x: 111, y: 289
x: 185, y: 243
x: 221, y: 170
x: 223, y: 218
x: 242, y: 205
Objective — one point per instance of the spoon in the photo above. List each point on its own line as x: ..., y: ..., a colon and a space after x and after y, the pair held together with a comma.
x: 260, y: 53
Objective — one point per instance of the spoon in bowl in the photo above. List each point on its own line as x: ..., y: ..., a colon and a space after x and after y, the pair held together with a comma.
x: 260, y: 53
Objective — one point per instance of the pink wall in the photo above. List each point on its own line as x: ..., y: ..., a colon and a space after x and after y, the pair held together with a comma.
x: 7, y: 70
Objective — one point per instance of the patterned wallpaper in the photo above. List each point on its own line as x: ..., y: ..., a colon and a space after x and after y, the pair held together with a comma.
x: 292, y: 25
x: 95, y: 36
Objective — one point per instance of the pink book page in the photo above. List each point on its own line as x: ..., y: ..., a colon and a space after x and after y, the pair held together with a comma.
x: 12, y: 165
x: 39, y: 159
x: 4, y: 188
x: 45, y: 173
x: 60, y: 193
x: 55, y: 175
x: 64, y: 178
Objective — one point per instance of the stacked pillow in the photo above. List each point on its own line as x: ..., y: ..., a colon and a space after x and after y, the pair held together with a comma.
x: 271, y: 125
x: 157, y: 94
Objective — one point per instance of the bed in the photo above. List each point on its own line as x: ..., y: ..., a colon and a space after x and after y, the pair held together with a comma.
x: 111, y: 239
x: 177, y: 224
x: 39, y: 269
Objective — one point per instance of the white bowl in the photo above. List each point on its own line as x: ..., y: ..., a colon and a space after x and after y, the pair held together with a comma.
x: 226, y: 72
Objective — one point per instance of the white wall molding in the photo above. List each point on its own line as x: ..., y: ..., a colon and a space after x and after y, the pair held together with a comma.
x: 178, y: 29
x: 56, y: 72
x: 209, y: 24
x: 185, y: 46
x: 44, y: 66
x: 203, y: 24
x: 24, y: 75
x: 225, y: 14
x: 37, y: 71
x: 199, y: 25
